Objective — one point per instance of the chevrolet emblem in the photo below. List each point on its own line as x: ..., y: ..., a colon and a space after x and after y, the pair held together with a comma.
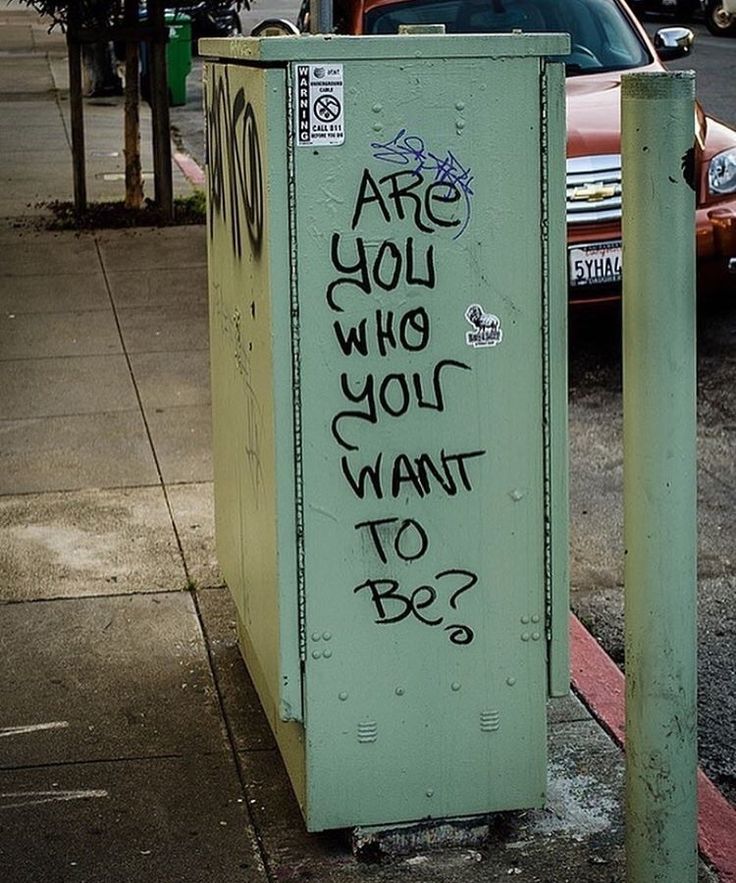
x: 595, y: 192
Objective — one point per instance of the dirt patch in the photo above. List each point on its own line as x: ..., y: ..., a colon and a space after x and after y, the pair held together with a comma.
x: 188, y: 210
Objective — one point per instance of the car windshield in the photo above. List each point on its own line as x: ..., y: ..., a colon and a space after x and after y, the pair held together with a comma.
x: 602, y: 37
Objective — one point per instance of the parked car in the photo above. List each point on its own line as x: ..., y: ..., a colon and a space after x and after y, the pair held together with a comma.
x: 607, y: 40
x: 720, y: 17
x: 681, y: 9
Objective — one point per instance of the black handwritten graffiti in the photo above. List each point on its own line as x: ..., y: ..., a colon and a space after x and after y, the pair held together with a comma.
x: 408, y: 195
x: 393, y: 606
x: 406, y: 549
x: 392, y: 396
x: 250, y: 170
x: 410, y: 331
x: 390, y: 266
x: 233, y: 143
x: 422, y: 475
x: 430, y: 195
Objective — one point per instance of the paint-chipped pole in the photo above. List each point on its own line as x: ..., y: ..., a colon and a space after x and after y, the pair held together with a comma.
x: 660, y: 532
x: 320, y: 16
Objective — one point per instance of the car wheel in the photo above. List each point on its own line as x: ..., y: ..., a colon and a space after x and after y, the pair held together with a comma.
x: 719, y: 22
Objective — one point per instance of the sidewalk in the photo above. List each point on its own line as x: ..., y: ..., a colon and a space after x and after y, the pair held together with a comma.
x: 132, y: 745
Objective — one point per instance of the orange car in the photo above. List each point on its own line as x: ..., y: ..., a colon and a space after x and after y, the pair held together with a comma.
x: 607, y: 41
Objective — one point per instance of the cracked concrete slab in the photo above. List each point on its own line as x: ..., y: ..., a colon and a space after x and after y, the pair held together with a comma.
x: 153, y: 248
x: 155, y: 287
x: 109, y: 450
x: 58, y: 386
x: 193, y: 509
x: 182, y: 438
x: 167, y: 328
x: 90, y: 542
x: 36, y: 73
x: 41, y: 335
x: 30, y: 253
x: 166, y: 379
x: 59, y: 293
x: 246, y: 718
x: 108, y: 678
x: 148, y: 821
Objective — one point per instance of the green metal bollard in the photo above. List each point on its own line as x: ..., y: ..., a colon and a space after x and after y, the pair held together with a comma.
x: 660, y: 530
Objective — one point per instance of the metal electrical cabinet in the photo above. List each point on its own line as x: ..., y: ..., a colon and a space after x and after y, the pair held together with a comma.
x: 387, y: 310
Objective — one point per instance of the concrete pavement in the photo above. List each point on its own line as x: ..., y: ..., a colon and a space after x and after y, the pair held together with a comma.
x: 132, y: 744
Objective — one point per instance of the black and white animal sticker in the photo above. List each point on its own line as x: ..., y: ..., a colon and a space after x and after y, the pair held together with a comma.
x: 486, y: 327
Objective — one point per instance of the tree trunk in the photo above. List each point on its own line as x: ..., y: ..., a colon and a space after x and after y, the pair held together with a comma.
x: 133, y: 174
x: 160, y: 114
x: 77, y: 118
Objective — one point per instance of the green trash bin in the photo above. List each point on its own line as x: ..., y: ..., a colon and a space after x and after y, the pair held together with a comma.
x: 178, y: 55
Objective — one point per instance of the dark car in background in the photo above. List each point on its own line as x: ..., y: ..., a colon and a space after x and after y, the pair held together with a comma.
x: 680, y: 9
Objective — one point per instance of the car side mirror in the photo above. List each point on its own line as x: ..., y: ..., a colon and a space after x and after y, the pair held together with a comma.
x: 672, y: 43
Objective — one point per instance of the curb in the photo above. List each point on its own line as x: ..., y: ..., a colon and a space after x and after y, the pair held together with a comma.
x: 191, y: 170
x: 600, y: 684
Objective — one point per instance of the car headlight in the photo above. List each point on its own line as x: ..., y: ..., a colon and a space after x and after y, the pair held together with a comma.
x: 722, y: 172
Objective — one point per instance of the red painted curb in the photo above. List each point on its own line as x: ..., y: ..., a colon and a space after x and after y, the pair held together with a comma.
x: 600, y: 684
x: 192, y: 172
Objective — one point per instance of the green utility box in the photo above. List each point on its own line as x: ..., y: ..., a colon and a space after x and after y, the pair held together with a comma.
x: 386, y: 229
x: 178, y: 55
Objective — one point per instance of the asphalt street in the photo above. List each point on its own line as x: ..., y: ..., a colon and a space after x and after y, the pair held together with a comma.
x: 713, y: 60
x: 596, y: 444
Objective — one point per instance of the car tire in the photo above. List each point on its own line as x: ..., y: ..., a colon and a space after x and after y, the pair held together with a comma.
x: 718, y: 21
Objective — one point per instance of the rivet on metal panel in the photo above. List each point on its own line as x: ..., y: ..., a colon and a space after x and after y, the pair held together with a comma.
x: 430, y: 792
x: 459, y: 105
x: 316, y: 636
x: 377, y: 127
x: 326, y: 636
x: 490, y: 721
x: 377, y: 107
x: 524, y: 620
x: 327, y: 654
x: 342, y: 696
x: 316, y: 654
x: 367, y: 731
x: 525, y: 636
x: 399, y: 691
x: 511, y: 681
x: 536, y: 617
x: 455, y: 687
x: 516, y: 495
x: 459, y: 124
x: 536, y: 636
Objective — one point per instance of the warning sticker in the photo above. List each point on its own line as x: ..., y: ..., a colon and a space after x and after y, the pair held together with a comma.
x: 319, y: 109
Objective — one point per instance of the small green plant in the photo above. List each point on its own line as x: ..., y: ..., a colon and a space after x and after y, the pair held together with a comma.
x: 195, y: 204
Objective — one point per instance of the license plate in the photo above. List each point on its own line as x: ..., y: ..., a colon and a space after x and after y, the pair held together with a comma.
x: 596, y: 264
